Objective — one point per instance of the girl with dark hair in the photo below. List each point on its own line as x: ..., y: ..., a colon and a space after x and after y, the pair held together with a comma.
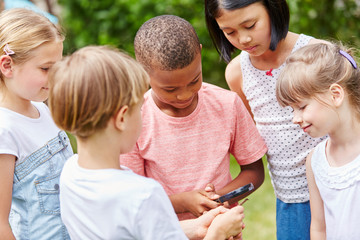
x: 259, y: 28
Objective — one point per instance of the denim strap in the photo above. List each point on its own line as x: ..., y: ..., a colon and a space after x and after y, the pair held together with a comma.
x: 40, y: 156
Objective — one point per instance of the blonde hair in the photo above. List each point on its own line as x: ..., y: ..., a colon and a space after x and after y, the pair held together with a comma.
x: 311, y: 70
x: 88, y: 87
x: 23, y: 31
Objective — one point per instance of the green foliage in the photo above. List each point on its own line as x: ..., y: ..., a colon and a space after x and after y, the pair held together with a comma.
x: 335, y: 20
x: 115, y: 22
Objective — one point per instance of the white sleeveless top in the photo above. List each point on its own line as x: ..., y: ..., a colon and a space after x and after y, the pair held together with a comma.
x: 339, y: 188
x: 287, y: 144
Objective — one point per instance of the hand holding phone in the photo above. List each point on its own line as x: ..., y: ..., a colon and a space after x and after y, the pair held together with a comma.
x: 235, y: 193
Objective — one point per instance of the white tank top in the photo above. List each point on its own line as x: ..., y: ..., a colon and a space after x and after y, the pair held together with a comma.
x: 287, y: 144
x: 339, y: 189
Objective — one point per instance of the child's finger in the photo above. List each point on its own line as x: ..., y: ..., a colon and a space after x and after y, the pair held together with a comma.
x: 209, y: 194
x: 210, y: 187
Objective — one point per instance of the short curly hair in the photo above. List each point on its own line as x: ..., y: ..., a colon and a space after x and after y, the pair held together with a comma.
x: 166, y: 42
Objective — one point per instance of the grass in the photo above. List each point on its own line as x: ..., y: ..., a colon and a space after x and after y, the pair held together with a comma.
x: 260, y: 209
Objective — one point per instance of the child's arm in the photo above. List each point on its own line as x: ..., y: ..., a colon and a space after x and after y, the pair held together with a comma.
x: 317, y: 227
x: 233, y: 77
x: 246, y: 145
x: 251, y: 173
x: 7, y: 166
x: 199, y: 201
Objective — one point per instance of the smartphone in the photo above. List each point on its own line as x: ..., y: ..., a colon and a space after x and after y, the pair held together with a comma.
x: 235, y: 193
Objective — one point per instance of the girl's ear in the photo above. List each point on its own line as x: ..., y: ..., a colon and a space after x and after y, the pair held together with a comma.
x: 121, y: 117
x: 5, y: 66
x: 337, y: 94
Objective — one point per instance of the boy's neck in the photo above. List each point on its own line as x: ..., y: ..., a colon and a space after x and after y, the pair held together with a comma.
x: 99, y: 151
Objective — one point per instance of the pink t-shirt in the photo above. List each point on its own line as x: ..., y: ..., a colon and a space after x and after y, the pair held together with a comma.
x: 186, y: 153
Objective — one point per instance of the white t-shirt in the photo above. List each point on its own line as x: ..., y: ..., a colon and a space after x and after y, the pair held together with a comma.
x: 339, y: 189
x: 20, y: 135
x: 115, y: 204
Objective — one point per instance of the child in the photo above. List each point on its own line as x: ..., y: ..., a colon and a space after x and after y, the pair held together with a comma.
x: 32, y: 149
x: 96, y: 94
x: 260, y: 30
x: 321, y: 83
x: 190, y: 128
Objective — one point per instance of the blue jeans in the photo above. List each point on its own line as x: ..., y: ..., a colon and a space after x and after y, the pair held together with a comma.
x: 292, y: 220
x: 35, y: 208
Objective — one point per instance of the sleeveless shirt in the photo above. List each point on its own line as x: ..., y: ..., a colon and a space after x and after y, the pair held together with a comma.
x: 287, y: 144
x: 339, y: 189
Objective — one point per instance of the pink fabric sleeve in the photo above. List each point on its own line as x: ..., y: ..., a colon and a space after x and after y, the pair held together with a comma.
x: 247, y: 145
x: 134, y: 161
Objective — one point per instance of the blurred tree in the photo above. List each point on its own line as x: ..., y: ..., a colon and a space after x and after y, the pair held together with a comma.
x: 115, y: 22
x: 327, y: 19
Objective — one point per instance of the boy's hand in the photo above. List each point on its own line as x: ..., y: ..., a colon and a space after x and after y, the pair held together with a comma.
x: 197, y: 202
x: 211, y: 194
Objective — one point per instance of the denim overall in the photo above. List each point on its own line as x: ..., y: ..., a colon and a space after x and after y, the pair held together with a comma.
x: 35, y: 209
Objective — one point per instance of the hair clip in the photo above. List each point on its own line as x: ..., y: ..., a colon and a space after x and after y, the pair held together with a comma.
x: 349, y: 57
x: 7, y: 50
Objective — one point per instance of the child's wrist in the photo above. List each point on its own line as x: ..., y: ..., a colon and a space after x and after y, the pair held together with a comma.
x: 178, y: 203
x: 215, y: 234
